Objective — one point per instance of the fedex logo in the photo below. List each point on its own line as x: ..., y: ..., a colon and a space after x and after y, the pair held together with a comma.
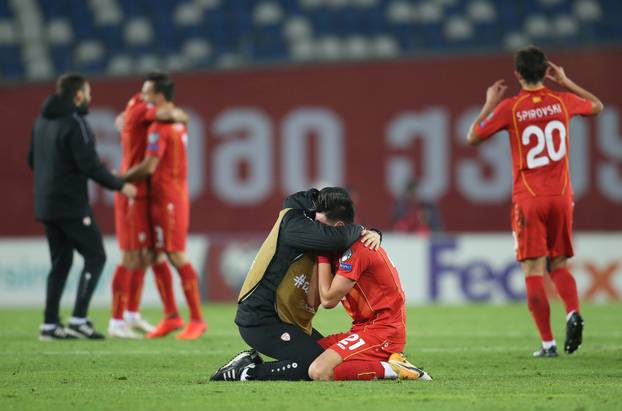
x: 456, y: 275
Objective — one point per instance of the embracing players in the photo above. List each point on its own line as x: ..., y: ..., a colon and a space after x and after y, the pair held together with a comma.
x: 165, y: 164
x: 276, y: 305
x: 542, y: 201
x: 132, y: 221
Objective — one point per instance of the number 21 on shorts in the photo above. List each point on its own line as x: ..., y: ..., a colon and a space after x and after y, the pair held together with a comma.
x: 544, y: 139
x: 352, y: 338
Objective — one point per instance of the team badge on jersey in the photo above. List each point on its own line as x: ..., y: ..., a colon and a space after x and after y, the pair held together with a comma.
x: 347, y: 255
x: 154, y: 138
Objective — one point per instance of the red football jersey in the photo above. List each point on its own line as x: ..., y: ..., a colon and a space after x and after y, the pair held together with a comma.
x: 377, y: 301
x: 537, y: 122
x: 168, y: 142
x: 138, y: 114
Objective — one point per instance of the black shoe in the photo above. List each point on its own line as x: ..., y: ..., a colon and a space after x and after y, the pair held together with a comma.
x: 85, y: 330
x: 546, y: 352
x: 56, y: 333
x: 574, y: 333
x: 232, y: 370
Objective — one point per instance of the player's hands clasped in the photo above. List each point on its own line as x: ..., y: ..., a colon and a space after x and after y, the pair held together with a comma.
x: 494, y: 93
x: 128, y: 190
x: 370, y: 239
x: 557, y: 74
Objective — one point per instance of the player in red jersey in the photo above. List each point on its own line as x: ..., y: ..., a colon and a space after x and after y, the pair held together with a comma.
x: 367, y: 283
x: 542, y: 201
x: 132, y: 220
x: 165, y: 163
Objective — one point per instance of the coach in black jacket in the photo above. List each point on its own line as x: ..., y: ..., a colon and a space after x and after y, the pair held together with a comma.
x: 63, y: 157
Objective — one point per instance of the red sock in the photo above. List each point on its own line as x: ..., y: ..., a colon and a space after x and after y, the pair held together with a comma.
x: 190, y: 284
x: 120, y: 290
x: 136, y: 290
x: 164, y: 282
x: 538, y: 304
x: 566, y: 288
x: 358, y: 370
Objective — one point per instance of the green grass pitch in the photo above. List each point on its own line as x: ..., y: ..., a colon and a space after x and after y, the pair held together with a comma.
x: 479, y: 357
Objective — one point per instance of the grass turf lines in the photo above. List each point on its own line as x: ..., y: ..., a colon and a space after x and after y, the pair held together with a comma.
x: 479, y: 356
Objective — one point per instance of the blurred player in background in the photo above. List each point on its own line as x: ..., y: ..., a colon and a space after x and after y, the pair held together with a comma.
x: 132, y: 221
x: 166, y: 163
x: 542, y: 200
x: 368, y: 285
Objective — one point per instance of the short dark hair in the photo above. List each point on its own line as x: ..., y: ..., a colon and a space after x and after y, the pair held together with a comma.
x: 336, y: 203
x: 156, y: 76
x: 69, y: 84
x: 162, y: 83
x: 531, y: 64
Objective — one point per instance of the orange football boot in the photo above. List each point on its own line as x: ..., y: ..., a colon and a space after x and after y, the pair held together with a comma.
x: 193, y: 330
x: 166, y: 326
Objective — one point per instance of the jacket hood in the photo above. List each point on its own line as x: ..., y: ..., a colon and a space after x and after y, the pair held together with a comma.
x: 305, y: 200
x: 56, y: 106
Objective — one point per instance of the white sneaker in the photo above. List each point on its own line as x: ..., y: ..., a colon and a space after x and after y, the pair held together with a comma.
x: 120, y: 329
x: 139, y: 324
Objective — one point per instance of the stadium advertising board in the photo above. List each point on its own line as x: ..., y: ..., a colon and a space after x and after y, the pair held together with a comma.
x: 26, y: 263
x: 257, y: 135
x: 468, y: 268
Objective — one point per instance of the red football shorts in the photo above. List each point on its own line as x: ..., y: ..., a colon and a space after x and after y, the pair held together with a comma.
x: 132, y: 223
x: 170, y: 220
x: 364, y: 346
x: 542, y: 226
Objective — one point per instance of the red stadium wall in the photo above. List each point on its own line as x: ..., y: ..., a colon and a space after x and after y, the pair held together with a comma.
x: 257, y: 135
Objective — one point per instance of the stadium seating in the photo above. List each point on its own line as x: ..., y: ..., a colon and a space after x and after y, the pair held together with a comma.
x: 41, y: 38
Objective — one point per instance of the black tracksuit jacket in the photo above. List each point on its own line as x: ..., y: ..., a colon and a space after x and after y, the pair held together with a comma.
x: 63, y: 157
x: 298, y: 233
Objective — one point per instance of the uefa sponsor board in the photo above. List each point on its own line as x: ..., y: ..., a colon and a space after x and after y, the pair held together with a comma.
x: 451, y: 269
x: 25, y: 264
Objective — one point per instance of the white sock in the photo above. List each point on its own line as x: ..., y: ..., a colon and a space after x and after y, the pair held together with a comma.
x: 548, y: 344
x: 48, y: 327
x: 116, y: 323
x: 389, y: 374
x: 569, y: 315
x: 131, y: 315
x: 77, y: 321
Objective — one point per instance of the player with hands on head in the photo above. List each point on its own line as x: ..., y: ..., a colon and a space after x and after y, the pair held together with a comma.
x: 537, y: 120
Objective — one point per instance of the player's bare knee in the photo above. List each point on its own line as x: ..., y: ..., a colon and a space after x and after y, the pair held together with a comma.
x: 318, y: 373
x: 146, y: 258
x: 559, y: 262
x: 178, y: 259
x: 131, y: 260
x: 159, y: 258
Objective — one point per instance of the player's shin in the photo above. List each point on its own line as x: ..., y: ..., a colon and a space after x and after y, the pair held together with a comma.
x: 362, y: 370
x: 120, y: 286
x: 164, y: 282
x: 190, y: 284
x: 136, y: 289
x: 566, y: 287
x: 538, y: 304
